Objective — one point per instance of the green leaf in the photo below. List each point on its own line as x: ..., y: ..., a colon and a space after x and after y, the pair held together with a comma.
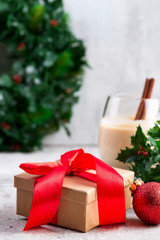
x: 62, y: 65
x: 152, y: 141
x: 6, y: 81
x: 28, y: 95
x: 36, y: 16
x: 139, y: 139
x: 127, y: 155
x: 158, y: 145
x: 155, y: 131
x: 1, y: 140
x: 147, y: 176
x: 41, y: 116
x: 132, y: 158
x: 16, y: 67
x: 67, y: 130
x: 4, y: 7
x: 50, y: 59
x: 154, y: 136
x: 6, y: 99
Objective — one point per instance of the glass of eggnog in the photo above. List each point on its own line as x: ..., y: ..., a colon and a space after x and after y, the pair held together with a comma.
x: 118, y: 124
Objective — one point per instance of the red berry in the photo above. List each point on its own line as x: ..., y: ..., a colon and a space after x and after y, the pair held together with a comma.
x: 140, y: 153
x: 5, y: 125
x: 142, y: 148
x: 21, y: 46
x: 64, y: 120
x: 145, y: 154
x: 16, y: 146
x: 17, y: 79
x: 8, y: 126
x: 53, y: 22
x: 69, y: 90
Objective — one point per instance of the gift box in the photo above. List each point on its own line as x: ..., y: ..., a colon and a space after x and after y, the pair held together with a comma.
x: 78, y: 207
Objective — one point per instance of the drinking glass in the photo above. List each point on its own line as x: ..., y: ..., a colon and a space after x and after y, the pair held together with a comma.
x: 118, y: 124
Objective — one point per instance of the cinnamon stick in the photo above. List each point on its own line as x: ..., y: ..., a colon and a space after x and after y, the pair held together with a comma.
x: 147, y: 93
x: 143, y: 110
x: 150, y: 88
x: 145, y: 90
x: 140, y: 110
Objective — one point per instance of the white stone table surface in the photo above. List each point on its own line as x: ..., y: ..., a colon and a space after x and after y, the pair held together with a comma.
x: 11, y: 225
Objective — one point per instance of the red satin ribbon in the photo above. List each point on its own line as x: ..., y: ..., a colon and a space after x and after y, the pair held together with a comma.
x: 47, y: 189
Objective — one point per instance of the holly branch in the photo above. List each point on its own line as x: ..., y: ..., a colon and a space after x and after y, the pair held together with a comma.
x: 144, y: 156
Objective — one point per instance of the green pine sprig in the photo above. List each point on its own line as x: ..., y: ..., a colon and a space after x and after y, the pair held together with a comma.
x: 37, y: 98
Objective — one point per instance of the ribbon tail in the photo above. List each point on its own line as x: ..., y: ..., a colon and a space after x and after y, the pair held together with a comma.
x: 110, y: 191
x: 46, y: 197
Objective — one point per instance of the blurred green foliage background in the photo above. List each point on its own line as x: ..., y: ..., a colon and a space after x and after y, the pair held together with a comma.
x: 37, y: 97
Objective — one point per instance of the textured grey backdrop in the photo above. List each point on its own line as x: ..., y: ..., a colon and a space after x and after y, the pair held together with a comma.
x: 123, y: 48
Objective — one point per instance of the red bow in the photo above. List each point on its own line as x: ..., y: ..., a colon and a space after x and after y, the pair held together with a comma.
x: 47, y: 189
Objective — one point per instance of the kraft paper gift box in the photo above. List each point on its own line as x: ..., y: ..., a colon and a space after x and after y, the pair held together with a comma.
x: 78, y: 208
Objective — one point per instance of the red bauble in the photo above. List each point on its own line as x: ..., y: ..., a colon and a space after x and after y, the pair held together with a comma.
x: 146, y: 202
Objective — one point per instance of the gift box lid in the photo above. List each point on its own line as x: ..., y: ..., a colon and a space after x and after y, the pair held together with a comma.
x: 76, y: 189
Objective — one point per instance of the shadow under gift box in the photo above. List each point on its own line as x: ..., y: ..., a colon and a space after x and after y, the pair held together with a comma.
x: 78, y: 208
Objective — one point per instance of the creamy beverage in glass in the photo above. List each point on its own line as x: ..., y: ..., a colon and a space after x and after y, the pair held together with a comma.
x: 118, y: 125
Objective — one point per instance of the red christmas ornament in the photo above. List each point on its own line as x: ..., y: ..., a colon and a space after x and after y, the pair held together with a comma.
x: 6, y: 126
x: 53, y: 23
x: 17, y: 79
x: 21, y: 46
x: 146, y: 201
